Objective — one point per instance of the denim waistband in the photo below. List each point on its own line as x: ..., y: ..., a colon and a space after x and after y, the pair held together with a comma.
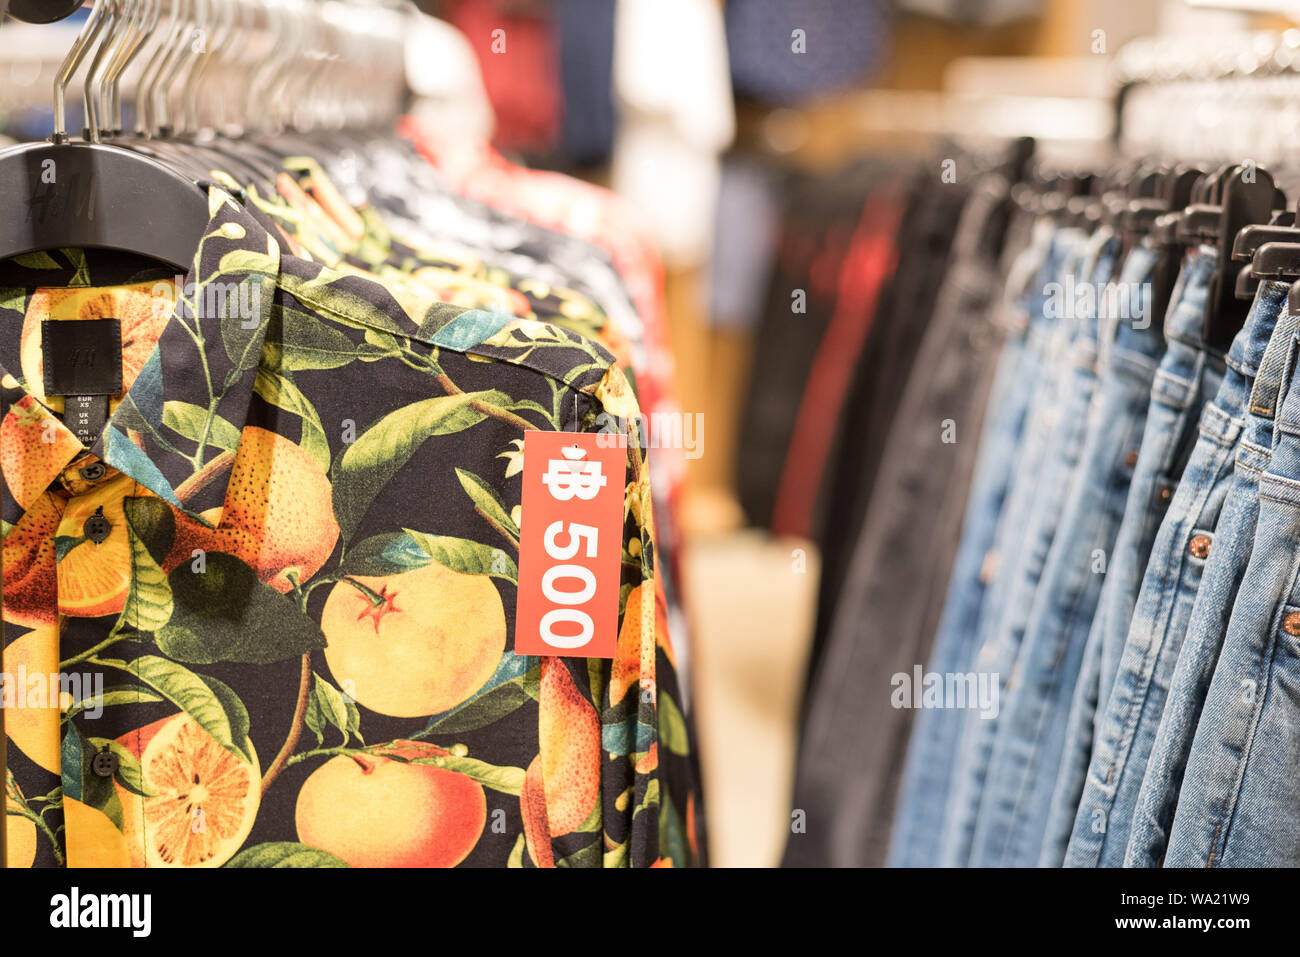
x: 1128, y: 337
x: 1020, y: 302
x: 1185, y: 321
x: 1273, y: 366
x: 1248, y: 351
x: 1177, y: 380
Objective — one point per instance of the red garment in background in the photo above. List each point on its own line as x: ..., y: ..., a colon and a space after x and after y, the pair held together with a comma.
x: 518, y: 56
x: 862, y: 274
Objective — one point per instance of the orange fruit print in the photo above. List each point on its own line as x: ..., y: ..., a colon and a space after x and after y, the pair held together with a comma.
x: 419, y: 643
x: 30, y: 570
x: 202, y: 799
x: 373, y: 811
x: 30, y: 450
x: 278, y: 516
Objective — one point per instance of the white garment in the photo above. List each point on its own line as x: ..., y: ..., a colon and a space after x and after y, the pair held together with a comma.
x: 443, y: 73
x: 672, y: 85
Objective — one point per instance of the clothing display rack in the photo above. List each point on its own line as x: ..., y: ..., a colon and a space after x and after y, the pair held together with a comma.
x: 283, y: 362
x: 1091, y: 584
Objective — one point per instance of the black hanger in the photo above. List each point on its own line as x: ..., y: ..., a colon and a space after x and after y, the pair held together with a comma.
x: 106, y: 197
x: 1175, y: 193
x: 1246, y: 196
x: 42, y: 11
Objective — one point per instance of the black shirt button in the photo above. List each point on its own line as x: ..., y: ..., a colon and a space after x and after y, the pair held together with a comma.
x: 97, y: 527
x: 94, y: 472
x: 104, y: 764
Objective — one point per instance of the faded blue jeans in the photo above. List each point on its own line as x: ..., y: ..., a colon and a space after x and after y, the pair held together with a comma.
x: 1238, y: 806
x: 1053, y: 441
x: 1127, y: 724
x: 1221, y: 578
x: 1026, y: 755
x: 927, y: 773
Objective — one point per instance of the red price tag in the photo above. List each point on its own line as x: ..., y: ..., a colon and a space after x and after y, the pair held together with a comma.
x: 571, y: 537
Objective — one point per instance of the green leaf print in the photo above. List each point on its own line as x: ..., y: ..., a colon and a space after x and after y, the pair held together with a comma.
x: 296, y: 341
x: 284, y: 854
x: 191, y: 422
x: 486, y: 501
x: 224, y: 613
x: 381, y: 451
x: 462, y: 555
x: 151, y: 528
x: 187, y: 691
x: 330, y: 706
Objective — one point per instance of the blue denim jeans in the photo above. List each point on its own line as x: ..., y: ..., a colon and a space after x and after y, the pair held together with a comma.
x: 1048, y: 455
x: 1126, y: 726
x: 926, y: 775
x: 1234, y: 534
x: 1177, y: 394
x: 1238, y: 806
x: 1137, y: 347
x: 1030, y: 737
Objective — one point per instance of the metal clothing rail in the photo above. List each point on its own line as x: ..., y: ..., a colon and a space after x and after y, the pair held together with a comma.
x: 1209, y: 98
x: 227, y: 65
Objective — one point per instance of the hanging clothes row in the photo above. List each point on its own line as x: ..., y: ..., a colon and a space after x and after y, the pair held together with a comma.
x: 269, y: 369
x: 1067, y: 632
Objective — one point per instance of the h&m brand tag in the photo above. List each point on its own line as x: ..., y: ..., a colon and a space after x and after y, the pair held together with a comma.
x: 570, y: 544
x: 82, y: 356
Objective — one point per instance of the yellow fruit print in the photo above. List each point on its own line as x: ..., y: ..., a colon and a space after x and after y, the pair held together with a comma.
x: 93, y: 838
x: 372, y: 810
x: 31, y: 728
x: 278, y: 516
x: 202, y: 802
x: 414, y: 643
x: 94, y: 576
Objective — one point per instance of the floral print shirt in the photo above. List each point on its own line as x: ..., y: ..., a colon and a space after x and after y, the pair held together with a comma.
x: 265, y: 617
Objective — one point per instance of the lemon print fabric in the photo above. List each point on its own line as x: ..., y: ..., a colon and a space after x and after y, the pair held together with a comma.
x: 266, y: 618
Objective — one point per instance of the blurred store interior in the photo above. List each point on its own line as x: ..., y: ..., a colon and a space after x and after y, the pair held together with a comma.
x: 748, y: 135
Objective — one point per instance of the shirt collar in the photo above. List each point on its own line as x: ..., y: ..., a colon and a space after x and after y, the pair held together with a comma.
x: 176, y: 431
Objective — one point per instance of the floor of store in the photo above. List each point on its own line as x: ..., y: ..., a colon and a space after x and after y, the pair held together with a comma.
x: 753, y: 598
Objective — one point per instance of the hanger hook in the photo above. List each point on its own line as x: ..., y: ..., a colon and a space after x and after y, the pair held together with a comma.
x: 91, y: 88
x: 145, y: 120
x: 90, y: 31
x: 150, y: 14
x: 132, y: 14
x: 217, y: 27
